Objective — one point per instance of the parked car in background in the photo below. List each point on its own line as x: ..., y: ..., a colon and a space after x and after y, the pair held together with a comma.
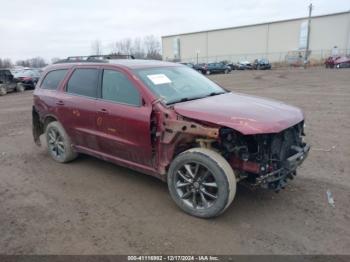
x: 202, y: 68
x: 233, y: 66
x: 329, y: 63
x: 337, y: 61
x: 342, y: 62
x: 214, y: 68
x: 8, y: 83
x: 244, y: 65
x: 261, y: 64
x: 166, y: 120
x: 28, y: 77
x: 190, y: 65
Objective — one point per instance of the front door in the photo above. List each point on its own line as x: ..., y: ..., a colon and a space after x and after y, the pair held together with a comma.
x: 123, y: 121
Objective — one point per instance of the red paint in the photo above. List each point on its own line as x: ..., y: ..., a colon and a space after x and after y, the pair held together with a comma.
x: 248, y: 166
x: 246, y: 114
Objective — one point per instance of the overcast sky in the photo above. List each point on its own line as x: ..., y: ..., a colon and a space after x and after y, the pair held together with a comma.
x: 59, y: 28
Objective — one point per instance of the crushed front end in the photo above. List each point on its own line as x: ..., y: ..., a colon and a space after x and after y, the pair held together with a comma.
x: 265, y: 160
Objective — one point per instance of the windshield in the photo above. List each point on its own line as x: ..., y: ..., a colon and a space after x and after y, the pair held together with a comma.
x: 178, y: 84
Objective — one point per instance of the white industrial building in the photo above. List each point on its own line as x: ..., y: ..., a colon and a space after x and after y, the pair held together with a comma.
x: 273, y: 40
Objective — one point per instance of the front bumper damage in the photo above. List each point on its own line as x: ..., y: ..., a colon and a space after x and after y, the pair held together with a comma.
x: 277, y: 179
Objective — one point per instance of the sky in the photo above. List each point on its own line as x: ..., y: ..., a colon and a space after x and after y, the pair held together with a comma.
x: 61, y: 28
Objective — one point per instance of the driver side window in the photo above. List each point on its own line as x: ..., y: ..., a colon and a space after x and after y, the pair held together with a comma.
x: 117, y: 87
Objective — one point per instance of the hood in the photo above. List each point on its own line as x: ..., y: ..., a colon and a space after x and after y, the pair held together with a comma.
x: 246, y: 114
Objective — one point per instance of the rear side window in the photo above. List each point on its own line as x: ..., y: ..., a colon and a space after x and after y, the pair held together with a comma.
x: 53, y: 79
x: 117, y: 87
x: 83, y: 82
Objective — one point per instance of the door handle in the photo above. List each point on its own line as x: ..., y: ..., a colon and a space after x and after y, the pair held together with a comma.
x: 103, y: 110
x: 60, y: 103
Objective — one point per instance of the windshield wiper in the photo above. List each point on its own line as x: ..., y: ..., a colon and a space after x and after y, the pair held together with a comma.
x: 181, y: 100
x: 184, y: 99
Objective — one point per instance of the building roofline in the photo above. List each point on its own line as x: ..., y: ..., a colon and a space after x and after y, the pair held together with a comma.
x: 257, y: 24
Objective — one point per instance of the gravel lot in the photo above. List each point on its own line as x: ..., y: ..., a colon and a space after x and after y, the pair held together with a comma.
x: 93, y: 207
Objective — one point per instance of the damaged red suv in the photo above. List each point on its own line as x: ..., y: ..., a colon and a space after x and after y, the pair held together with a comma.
x: 169, y: 121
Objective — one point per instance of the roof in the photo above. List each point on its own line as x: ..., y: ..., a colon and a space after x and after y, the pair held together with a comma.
x: 257, y: 24
x: 141, y: 63
x: 126, y: 63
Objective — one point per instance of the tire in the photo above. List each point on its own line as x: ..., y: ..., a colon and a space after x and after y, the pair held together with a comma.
x: 20, y: 88
x: 58, y: 143
x: 3, y: 90
x: 219, y: 182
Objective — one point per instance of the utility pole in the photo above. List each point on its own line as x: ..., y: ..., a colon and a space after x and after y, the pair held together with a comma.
x: 306, y: 57
x: 197, y: 54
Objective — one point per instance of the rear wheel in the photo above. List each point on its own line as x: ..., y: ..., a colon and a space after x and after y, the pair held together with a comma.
x: 201, y: 182
x: 58, y: 143
x: 20, y: 87
x: 3, y: 90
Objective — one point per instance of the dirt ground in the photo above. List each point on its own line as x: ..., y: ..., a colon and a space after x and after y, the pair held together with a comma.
x: 93, y: 207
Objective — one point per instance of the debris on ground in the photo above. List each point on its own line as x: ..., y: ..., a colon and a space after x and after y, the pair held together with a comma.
x: 324, y: 150
x: 330, y: 198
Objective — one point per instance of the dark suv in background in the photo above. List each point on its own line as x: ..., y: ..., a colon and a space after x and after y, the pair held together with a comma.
x: 214, y: 68
x: 8, y: 83
x: 261, y: 64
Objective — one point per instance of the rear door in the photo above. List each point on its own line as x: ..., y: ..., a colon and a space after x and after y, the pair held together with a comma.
x: 77, y: 106
x: 123, y: 119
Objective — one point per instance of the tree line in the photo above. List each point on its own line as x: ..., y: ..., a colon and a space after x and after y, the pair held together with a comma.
x: 148, y: 47
x: 35, y: 62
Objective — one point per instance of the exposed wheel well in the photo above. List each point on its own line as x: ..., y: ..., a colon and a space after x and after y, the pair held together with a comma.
x: 48, y: 120
x: 39, y: 126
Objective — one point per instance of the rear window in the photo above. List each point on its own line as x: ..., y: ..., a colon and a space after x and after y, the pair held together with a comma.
x: 53, y: 79
x: 83, y: 82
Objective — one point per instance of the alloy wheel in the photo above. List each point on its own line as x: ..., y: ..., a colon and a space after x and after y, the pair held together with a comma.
x: 56, y: 143
x: 196, y: 185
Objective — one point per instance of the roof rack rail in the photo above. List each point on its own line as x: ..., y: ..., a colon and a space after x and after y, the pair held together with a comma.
x: 94, y: 58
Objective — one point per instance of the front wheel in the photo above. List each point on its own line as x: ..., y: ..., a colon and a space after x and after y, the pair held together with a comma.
x: 20, y: 87
x: 201, y: 182
x: 3, y: 90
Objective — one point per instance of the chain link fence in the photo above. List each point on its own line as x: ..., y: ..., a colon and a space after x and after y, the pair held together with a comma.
x: 291, y: 58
